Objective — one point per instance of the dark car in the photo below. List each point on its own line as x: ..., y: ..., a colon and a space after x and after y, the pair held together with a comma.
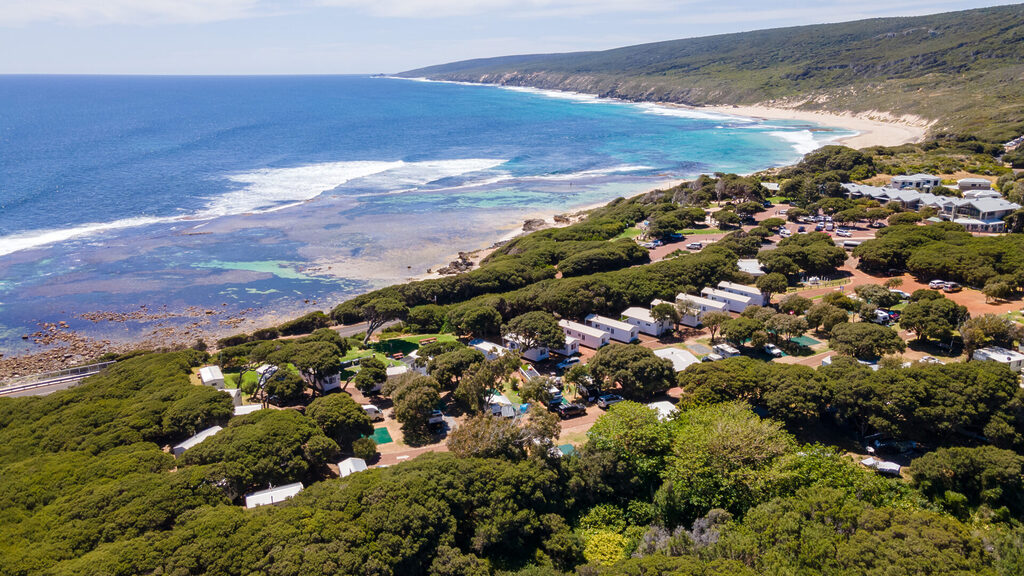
x: 566, y: 411
x: 801, y: 230
x: 608, y: 399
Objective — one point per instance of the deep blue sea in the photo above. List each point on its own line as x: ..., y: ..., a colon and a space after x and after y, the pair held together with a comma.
x: 201, y: 197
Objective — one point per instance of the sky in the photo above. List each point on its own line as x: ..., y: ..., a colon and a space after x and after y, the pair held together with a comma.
x: 375, y: 36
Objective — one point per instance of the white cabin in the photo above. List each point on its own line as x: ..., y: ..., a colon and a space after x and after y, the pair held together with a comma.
x: 645, y: 322
x: 274, y: 495
x: 572, y: 346
x: 759, y: 298
x: 1011, y: 358
x: 511, y: 342
x: 665, y: 409
x: 350, y: 466
x: 585, y: 335
x: 195, y: 440
x: 212, y: 376
x: 617, y: 329
x: 733, y: 302
x: 700, y: 306
x: 491, y: 351
x: 680, y: 359
x: 247, y: 409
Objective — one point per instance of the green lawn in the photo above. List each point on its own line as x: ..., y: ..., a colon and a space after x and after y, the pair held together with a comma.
x: 778, y: 199
x: 631, y: 232
x: 407, y: 344
x: 699, y: 231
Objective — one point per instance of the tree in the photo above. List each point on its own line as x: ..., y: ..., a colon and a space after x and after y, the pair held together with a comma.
x: 481, y: 378
x: 770, y: 284
x: 796, y: 214
x: 738, y: 330
x: 365, y: 448
x: 865, y: 340
x: 904, y: 218
x: 634, y: 434
x: 449, y: 367
x: 666, y: 312
x: 713, y: 321
x: 983, y: 475
x: 380, y: 311
x: 726, y: 219
x: 981, y: 331
x: 486, y: 436
x: 426, y: 319
x: 415, y: 397
x: 535, y: 330
x: 636, y: 369
x: 787, y: 325
x: 933, y: 319
x: 537, y: 390
x: 475, y: 320
x: 285, y: 385
x: 996, y: 290
x: 372, y: 373
x: 893, y: 283
x: 825, y: 316
x: 315, y: 360
x: 795, y: 304
x: 340, y: 418
x: 877, y: 295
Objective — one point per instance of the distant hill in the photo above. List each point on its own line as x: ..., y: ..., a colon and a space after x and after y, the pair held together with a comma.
x: 963, y: 69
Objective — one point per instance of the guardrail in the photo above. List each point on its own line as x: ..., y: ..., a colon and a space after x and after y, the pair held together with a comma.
x: 48, y: 378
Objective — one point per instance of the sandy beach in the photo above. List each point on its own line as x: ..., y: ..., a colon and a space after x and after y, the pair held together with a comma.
x: 874, y: 128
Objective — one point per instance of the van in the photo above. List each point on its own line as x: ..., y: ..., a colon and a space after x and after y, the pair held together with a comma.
x: 694, y: 246
x: 850, y: 244
x: 373, y: 412
x: 725, y: 350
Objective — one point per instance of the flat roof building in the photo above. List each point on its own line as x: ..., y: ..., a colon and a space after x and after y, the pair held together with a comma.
x: 350, y: 466
x: 194, y: 440
x: 680, y: 359
x: 699, y: 306
x: 618, y: 330
x: 585, y: 335
x: 733, y: 302
x: 645, y: 322
x: 744, y: 290
x: 274, y: 495
x: 490, y: 350
x: 1011, y: 358
x: 211, y: 376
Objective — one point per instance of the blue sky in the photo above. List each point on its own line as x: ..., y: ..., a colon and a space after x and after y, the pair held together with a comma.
x: 368, y: 36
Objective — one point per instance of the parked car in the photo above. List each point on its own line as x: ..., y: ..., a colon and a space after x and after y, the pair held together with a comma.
x: 676, y: 236
x: 952, y: 287
x: 567, y: 363
x: 784, y: 211
x: 878, y: 224
x: 819, y: 227
x: 608, y: 399
x: 712, y: 358
x: 373, y: 412
x: 881, y: 317
x: 725, y: 350
x: 901, y: 294
x: 801, y: 230
x: 894, y: 315
x: 694, y: 246
x: 566, y: 411
x: 785, y: 233
x: 937, y: 284
x: 773, y: 350
x: 930, y: 360
x: 844, y: 233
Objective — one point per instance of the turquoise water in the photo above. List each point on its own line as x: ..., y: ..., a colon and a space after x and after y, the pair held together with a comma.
x: 268, y: 194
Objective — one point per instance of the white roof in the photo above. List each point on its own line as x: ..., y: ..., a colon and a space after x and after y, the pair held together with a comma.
x: 249, y: 409
x: 350, y: 466
x: 750, y: 266
x: 639, y: 313
x: 499, y: 399
x: 195, y: 440
x: 999, y: 354
x: 396, y: 370
x: 741, y: 288
x: 974, y: 181
x: 772, y: 186
x: 727, y: 295
x: 616, y: 324
x: 701, y: 301
x: 890, y: 467
x: 210, y: 373
x: 263, y: 368
x: 681, y: 359
x: 488, y: 347
x: 582, y: 328
x: 665, y: 408
x: 272, y: 495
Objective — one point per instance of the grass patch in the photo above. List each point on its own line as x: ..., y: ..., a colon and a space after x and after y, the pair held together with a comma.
x: 631, y: 232
x: 406, y: 344
x: 699, y: 231
x: 778, y: 199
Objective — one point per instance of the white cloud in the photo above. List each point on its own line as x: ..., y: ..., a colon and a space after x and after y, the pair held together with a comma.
x: 93, y: 12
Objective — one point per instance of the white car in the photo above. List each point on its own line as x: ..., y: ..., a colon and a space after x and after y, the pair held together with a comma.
x: 844, y: 233
x: 901, y: 294
x: 567, y: 363
x: 785, y: 233
x: 694, y: 246
x: 937, y: 284
x: 773, y: 350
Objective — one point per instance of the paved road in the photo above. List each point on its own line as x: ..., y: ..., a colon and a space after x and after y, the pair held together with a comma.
x: 46, y: 389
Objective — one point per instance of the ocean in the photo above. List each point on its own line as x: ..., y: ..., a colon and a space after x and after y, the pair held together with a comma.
x: 131, y: 206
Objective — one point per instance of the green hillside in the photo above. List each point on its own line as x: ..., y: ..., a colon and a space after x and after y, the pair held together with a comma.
x: 963, y: 69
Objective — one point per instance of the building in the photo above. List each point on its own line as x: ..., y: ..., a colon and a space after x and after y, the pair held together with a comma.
x: 966, y: 184
x: 618, y: 330
x: 1011, y: 358
x: 743, y: 290
x: 665, y: 409
x: 195, y: 440
x: 680, y: 359
x: 212, y: 376
x: 247, y: 409
x: 584, y: 335
x: 918, y: 181
x: 511, y: 342
x: 236, y: 396
x: 750, y: 266
x: 500, y: 405
x: 350, y: 466
x: 698, y: 306
x: 978, y: 211
x: 645, y: 322
x: 490, y: 350
x: 328, y: 383
x: 572, y: 346
x: 272, y: 495
x: 733, y: 302
x: 395, y: 371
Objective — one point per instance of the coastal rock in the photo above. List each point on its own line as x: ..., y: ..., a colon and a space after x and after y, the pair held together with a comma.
x: 463, y: 264
x: 534, y: 224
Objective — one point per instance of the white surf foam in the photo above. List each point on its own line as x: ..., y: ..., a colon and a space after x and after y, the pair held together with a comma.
x: 678, y: 112
x: 803, y: 141
x: 264, y: 191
